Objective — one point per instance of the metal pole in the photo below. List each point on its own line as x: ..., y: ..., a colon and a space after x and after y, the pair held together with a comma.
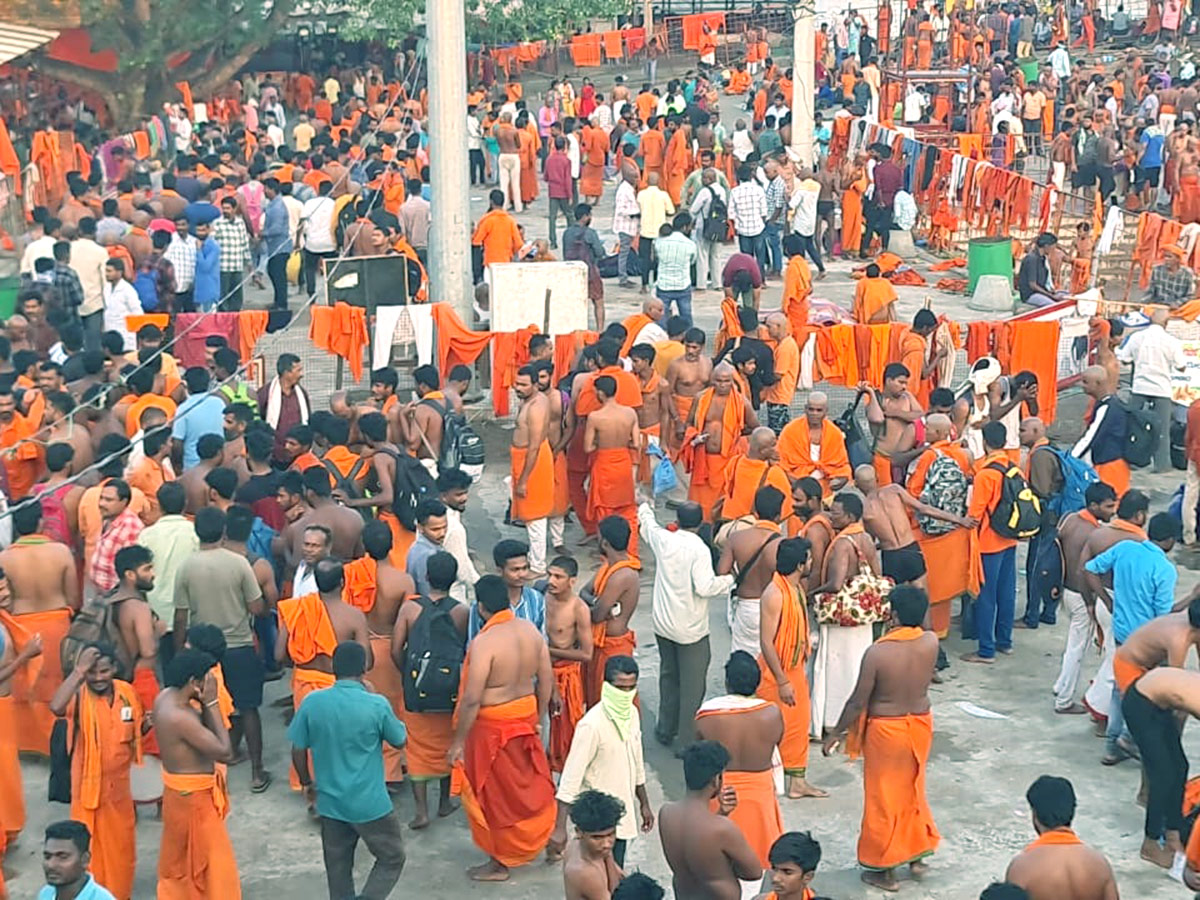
x: 449, y: 250
x: 803, y: 81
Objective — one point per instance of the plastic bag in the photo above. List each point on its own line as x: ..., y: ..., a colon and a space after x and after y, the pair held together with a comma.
x: 663, y: 477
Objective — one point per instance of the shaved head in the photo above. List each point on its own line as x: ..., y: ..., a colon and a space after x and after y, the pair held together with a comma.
x: 815, y: 408
x: 653, y: 307
x: 1095, y: 381
x: 1032, y: 430
x: 722, y: 378
x: 778, y: 326
x: 937, y: 427
x: 864, y: 478
x: 1159, y: 315
x: 762, y: 444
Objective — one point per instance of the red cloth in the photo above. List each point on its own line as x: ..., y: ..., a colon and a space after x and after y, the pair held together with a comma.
x: 192, y: 328
x: 694, y: 24
x: 457, y: 344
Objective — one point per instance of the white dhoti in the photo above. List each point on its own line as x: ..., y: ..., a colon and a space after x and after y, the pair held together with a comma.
x: 1079, y: 637
x: 1099, y: 693
x: 1058, y: 176
x: 745, y: 622
x: 839, y: 658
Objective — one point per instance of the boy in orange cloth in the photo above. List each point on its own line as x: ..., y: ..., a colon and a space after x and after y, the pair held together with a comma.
x: 739, y: 81
x: 1081, y: 263
x: 106, y: 721
x: 852, y: 209
x: 758, y: 468
x: 652, y: 150
x: 569, y: 637
x: 914, y: 355
x: 719, y: 418
x: 500, y: 766
x: 797, y: 288
x: 754, y: 728
x: 497, y: 232
x: 195, y: 857
x: 615, y: 589
x: 815, y: 435
x: 784, y: 682
x: 874, y: 297
x: 611, y: 437
x: 887, y: 721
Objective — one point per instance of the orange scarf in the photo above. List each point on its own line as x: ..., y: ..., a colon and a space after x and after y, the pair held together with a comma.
x: 497, y: 618
x: 1089, y: 518
x: 733, y: 420
x: 1122, y: 525
x: 600, y: 629
x: 1060, y: 837
x: 791, y: 637
x: 89, y: 735
x: 858, y: 732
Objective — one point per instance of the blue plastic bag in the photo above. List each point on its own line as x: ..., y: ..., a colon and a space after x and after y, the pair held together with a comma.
x: 664, y: 478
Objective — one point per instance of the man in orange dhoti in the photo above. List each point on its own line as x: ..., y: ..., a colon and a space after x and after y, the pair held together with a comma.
x: 500, y: 764
x: 1104, y: 439
x: 758, y: 727
x: 813, y: 447
x: 746, y: 473
x: 719, y: 418
x: 852, y: 210
x: 611, y: 437
x: 887, y: 721
x: 569, y: 637
x: 34, y: 686
x: 615, y: 589
x: 739, y: 81
x: 195, y: 857
x: 784, y: 682
x: 106, y: 722
x: 677, y: 162
x: 874, y: 299
x: 20, y: 652
x: 915, y: 356
x: 528, y: 153
x: 797, y: 287
x: 593, y: 149
x: 652, y: 150
x: 925, y: 43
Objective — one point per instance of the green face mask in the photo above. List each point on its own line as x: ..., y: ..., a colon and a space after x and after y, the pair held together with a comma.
x: 618, y: 706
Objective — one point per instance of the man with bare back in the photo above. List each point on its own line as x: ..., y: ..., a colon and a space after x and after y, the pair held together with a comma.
x: 554, y: 433
x: 1164, y: 640
x: 139, y: 628
x: 506, y: 694
x: 709, y: 856
x: 423, y: 421
x: 345, y: 525
x: 612, y: 438
x: 211, y: 451
x: 1073, y: 532
x: 612, y: 595
x: 654, y: 416
x: 751, y: 551
x: 751, y: 729
x: 532, y: 465
x: 429, y: 732
x: 687, y: 376
x: 893, y: 415
x: 892, y: 693
x: 886, y: 518
x: 1058, y: 865
x: 569, y: 637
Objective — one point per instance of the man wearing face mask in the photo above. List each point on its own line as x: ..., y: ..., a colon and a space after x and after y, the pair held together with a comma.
x: 606, y: 755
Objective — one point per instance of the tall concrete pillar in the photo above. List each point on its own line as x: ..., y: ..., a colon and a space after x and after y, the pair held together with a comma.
x: 449, y: 233
x: 803, y: 80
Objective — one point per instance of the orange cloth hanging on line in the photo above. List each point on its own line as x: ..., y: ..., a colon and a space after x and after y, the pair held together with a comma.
x: 567, y: 347
x: 252, y: 323
x: 836, y: 357
x: 457, y: 344
x: 159, y: 320
x: 613, y: 46
x: 585, y: 50
x: 10, y: 164
x: 693, y: 26
x: 185, y: 91
x: 341, y: 329
x: 509, y: 354
x: 1035, y: 347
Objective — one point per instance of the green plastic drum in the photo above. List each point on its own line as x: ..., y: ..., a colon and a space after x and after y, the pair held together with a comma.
x: 1029, y: 68
x: 988, y: 256
x: 9, y: 286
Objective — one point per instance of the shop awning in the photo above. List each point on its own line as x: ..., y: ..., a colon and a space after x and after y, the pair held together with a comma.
x: 17, y: 40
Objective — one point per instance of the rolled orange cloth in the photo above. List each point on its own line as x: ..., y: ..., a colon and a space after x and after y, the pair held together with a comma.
x: 568, y: 677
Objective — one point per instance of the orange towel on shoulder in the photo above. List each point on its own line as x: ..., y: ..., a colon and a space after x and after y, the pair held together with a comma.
x: 195, y: 858
x: 791, y: 645
x: 1035, y: 348
x: 310, y: 633
x: 359, y: 589
x: 872, y: 297
x: 568, y: 676
x: 795, y: 452
x: 539, y: 494
x: 743, y: 479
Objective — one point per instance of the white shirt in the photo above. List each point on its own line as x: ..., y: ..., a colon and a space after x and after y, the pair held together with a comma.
x: 1060, y: 62
x: 701, y: 203
x: 904, y: 208
x: 804, y: 207
x: 474, y: 134
x: 317, y: 216
x: 1154, y: 354
x: 743, y: 144
x: 41, y: 248
x: 573, y: 153
x: 275, y: 133
x: 455, y: 543
x: 651, y: 333
x: 305, y: 580
x: 121, y: 300
x: 333, y: 89
x: 600, y: 761
x: 183, y: 134
x: 914, y: 105
x: 777, y: 111
x: 294, y: 208
x: 684, y: 580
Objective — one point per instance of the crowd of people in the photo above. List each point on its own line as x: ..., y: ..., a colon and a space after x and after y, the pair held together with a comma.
x: 181, y: 538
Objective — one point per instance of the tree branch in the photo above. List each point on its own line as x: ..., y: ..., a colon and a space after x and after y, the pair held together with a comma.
x: 227, y: 68
x: 93, y: 80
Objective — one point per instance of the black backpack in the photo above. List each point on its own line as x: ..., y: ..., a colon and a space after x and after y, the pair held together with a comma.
x: 433, y: 659
x: 461, y: 444
x: 1018, y: 512
x: 1141, y: 437
x: 347, y: 484
x: 412, y: 484
x: 716, y: 220
x: 96, y: 622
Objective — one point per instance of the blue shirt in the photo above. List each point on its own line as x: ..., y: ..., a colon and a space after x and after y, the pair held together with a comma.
x: 198, y: 415
x: 418, y: 560
x: 90, y: 891
x: 1143, y: 584
x: 532, y: 608
x: 1152, y: 158
x: 276, y: 230
x: 206, y: 289
x: 345, y: 726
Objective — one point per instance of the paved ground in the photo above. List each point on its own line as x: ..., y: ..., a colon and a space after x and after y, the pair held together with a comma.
x: 978, y: 772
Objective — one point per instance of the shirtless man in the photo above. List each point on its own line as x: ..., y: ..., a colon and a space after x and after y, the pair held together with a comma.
x: 533, y: 467
x: 190, y: 743
x: 569, y: 637
x: 1106, y: 355
x: 1073, y: 532
x: 886, y: 518
x: 59, y: 483
x: 893, y: 684
x: 1059, y: 866
x: 751, y: 729
x: 139, y: 628
x: 687, y: 376
x: 849, y: 545
x: 589, y: 870
x: 654, y: 415
x: 611, y: 436
x: 1062, y: 156
x: 64, y: 423
x: 612, y: 595
x: 211, y: 450
x: 508, y: 680
x: 373, y: 428
x: 441, y: 572
x: 752, y: 550
x: 349, y: 624
x: 422, y: 421
x: 1164, y: 640
x: 708, y: 854
x: 814, y: 526
x: 345, y: 525
x: 40, y: 572
x: 826, y: 200
x: 891, y: 416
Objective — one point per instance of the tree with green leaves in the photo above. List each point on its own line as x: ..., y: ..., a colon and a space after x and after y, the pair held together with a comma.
x: 161, y: 42
x: 491, y: 21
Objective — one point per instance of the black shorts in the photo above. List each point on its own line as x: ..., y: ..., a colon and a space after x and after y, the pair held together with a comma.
x: 904, y: 565
x: 243, y: 671
x: 1149, y: 176
x: 824, y: 207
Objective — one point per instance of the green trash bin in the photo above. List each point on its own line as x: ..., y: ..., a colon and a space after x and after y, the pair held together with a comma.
x: 988, y: 256
x: 1029, y: 68
x: 9, y: 286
